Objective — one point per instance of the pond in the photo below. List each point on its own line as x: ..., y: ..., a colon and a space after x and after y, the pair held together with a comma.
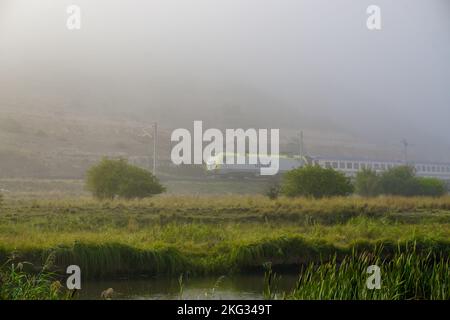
x: 240, y: 287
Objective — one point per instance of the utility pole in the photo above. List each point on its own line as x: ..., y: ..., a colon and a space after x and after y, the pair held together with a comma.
x: 405, y: 150
x: 155, y: 139
x: 153, y: 136
x: 301, y: 147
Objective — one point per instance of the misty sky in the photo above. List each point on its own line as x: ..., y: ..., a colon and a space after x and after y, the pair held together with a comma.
x: 283, y: 63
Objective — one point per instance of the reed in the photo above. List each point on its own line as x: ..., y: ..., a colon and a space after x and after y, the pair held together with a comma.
x: 102, y: 260
x: 406, y: 275
x: 17, y: 284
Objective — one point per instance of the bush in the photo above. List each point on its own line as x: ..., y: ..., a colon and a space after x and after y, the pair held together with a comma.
x: 400, y: 181
x: 367, y: 183
x: 273, y: 191
x: 116, y: 178
x: 432, y: 187
x: 317, y: 182
x: 403, y: 182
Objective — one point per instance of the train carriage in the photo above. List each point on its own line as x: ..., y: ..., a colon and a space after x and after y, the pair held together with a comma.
x: 349, y: 166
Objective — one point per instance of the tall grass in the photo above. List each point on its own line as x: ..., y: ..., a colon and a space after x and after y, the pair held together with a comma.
x: 113, y: 259
x: 208, y: 209
x: 407, y: 275
x: 17, y: 284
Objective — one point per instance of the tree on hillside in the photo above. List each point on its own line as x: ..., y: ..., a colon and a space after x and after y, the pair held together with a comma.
x: 315, y: 181
x: 117, y: 178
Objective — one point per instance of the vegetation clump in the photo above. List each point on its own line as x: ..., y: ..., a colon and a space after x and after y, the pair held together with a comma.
x: 17, y: 284
x: 273, y: 191
x: 117, y: 178
x: 398, y: 181
x: 317, y: 182
x: 406, y: 276
x: 367, y: 183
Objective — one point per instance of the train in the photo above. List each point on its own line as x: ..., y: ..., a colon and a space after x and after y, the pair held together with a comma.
x: 349, y: 166
x: 217, y: 166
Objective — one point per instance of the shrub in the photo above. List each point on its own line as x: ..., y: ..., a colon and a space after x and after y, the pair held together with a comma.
x: 273, y: 191
x: 367, y: 183
x: 116, y: 178
x: 403, y: 182
x: 432, y: 187
x: 400, y: 181
x: 317, y: 182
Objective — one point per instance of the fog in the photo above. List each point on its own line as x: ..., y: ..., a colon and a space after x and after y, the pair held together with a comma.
x: 289, y: 64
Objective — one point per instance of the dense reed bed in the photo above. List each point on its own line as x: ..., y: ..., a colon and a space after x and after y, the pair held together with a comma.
x: 407, y: 275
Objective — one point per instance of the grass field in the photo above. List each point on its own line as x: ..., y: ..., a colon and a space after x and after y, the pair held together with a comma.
x: 173, y: 234
x: 176, y: 185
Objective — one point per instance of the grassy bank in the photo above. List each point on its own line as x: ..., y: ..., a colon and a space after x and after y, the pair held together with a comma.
x: 173, y: 235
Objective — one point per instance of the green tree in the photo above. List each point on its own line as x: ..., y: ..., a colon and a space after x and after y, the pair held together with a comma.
x: 367, y: 183
x: 431, y: 187
x: 315, y: 181
x: 400, y: 181
x: 117, y: 178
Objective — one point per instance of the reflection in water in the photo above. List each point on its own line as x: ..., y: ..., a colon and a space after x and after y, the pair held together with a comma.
x: 222, y: 288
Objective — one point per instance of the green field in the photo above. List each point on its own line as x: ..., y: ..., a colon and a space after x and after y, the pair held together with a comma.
x: 176, y: 185
x: 216, y: 235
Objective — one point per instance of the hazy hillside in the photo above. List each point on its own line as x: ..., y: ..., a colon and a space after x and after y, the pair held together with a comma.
x: 52, y: 143
x: 68, y: 98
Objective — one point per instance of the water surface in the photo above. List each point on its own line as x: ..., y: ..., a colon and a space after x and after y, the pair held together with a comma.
x: 239, y: 287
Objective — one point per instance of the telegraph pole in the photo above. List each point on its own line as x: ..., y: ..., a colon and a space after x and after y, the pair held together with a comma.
x: 155, y: 139
x: 154, y: 154
x: 300, y: 141
x: 405, y: 150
